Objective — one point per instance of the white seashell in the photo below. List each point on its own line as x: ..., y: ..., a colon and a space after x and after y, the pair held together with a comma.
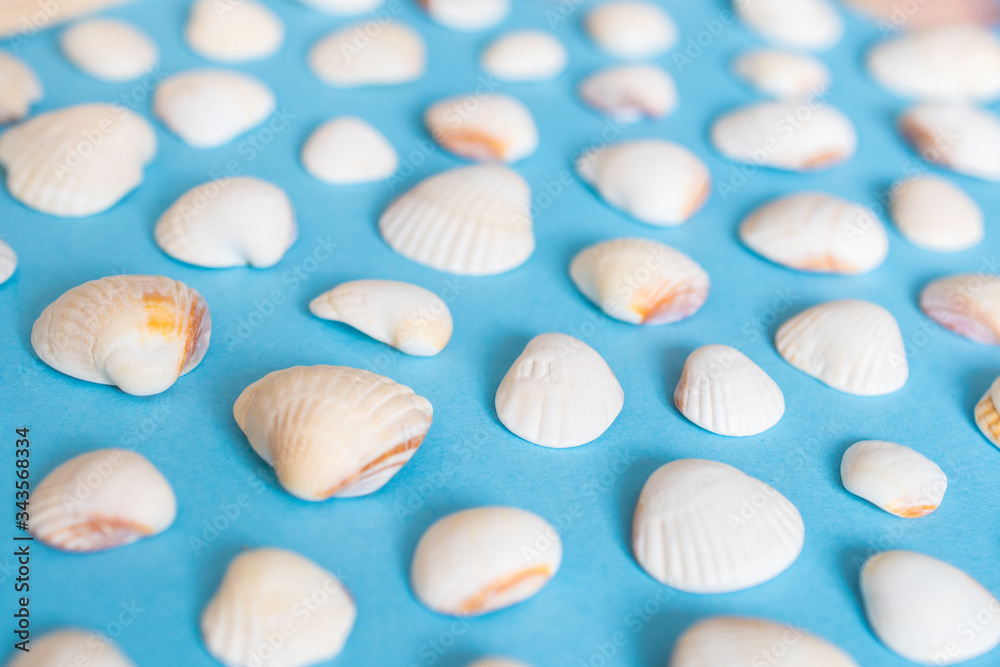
x: 491, y: 127
x: 693, y: 532
x: 8, y: 262
x: 723, y: 391
x: 631, y: 29
x: 72, y: 647
x: 525, y: 55
x: 369, y: 54
x: 640, y: 281
x: 234, y: 32
x: 467, y: 15
x: 137, y: 332
x: 936, y: 214
x: 19, y: 88
x: 471, y: 221
x: 782, y: 74
x: 896, y: 478
x: 211, y: 107
x: 343, y: 7
x: 629, y: 93
x: 559, y: 393
x: 409, y: 318
x: 497, y: 662
x: 332, y: 431
x: 110, y: 50
x: 27, y: 17
x: 234, y: 221
x: 348, y: 150
x: 786, y: 135
x: 817, y: 232
x: 956, y: 136
x: 968, y: 304
x: 275, y: 593
x: 800, y: 24
x: 851, y: 345
x: 930, y: 13
x: 483, y: 559
x: 655, y: 181
x: 987, y: 414
x: 928, y: 611
x: 101, y: 500
x: 77, y: 161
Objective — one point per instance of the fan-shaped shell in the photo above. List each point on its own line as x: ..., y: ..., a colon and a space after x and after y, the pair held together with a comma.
x: 959, y: 137
x: 491, y: 127
x: 629, y: 93
x: 936, y: 214
x: 525, y: 55
x: 467, y: 15
x: 348, y: 150
x: 800, y: 24
x: 8, y: 262
x: 234, y: 32
x: 369, y: 54
x: 343, y: 7
x: 19, y: 88
x: 967, y: 304
x: 987, y: 413
x: 632, y: 29
x: 931, y: 13
x: 109, y: 50
x: 26, y: 17
x: 898, y: 479
x: 783, y: 74
x: 72, y: 647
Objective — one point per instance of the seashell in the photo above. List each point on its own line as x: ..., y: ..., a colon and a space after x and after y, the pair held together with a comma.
x: 723, y: 391
x: 896, y: 478
x: 817, y: 232
x: 389, y: 54
x: 959, y: 137
x: 692, y: 530
x: 490, y: 128
x: 19, y: 88
x: 467, y: 15
x: 987, y: 414
x: 930, y: 13
x: 109, y: 50
x: 471, y: 221
x: 332, y: 431
x: 275, y: 593
x: 27, y: 17
x: 640, y: 281
x: 525, y: 55
x: 234, y: 221
x: 343, y: 7
x: 8, y: 262
x: 968, y: 304
x: 234, y: 32
x: 479, y: 560
x: 786, y: 135
x: 631, y: 29
x: 925, y: 609
x: 347, y: 150
x: 77, y: 161
x: 782, y: 74
x: 137, y: 332
x: 409, y: 318
x: 851, y: 345
x: 559, y: 393
x: 936, y: 214
x: 211, y: 107
x: 629, y: 93
x: 72, y: 647
x: 497, y: 662
x: 800, y: 24
x: 101, y: 500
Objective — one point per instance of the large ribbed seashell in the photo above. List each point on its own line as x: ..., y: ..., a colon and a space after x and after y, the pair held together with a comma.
x: 930, y: 13
x: 559, y: 393
x: 632, y: 29
x: 491, y: 127
x: 349, y: 150
x: 956, y: 136
x: 101, y: 500
x: 19, y: 88
x: 77, y: 161
x: 783, y: 74
x: 234, y: 32
x: 279, y: 609
x: 706, y: 527
x: 109, y: 50
x: 851, y: 345
x: 968, y: 304
x: 8, y: 262
x: 344, y: 7
x: 137, y: 332
x: 936, y: 214
x: 71, y: 647
x: 332, y: 431
x: 473, y: 221
x: 525, y: 55
x: 26, y: 17
x: 987, y: 413
x: 497, y: 662
x: 467, y: 15
x: 483, y: 559
x: 629, y: 93
x: 369, y: 54
x: 928, y: 611
x: 640, y: 281
x: 898, y: 479
x: 800, y: 24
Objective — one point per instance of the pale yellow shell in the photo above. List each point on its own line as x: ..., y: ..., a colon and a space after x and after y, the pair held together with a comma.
x: 72, y: 647
x: 19, y: 88
x: 26, y: 17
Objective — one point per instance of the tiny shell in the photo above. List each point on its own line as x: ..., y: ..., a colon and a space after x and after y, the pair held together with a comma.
x: 497, y: 662
x: 72, y: 647
x: 8, y: 262
x: 19, y: 88
x: 800, y: 24
x: 988, y: 413
x: 968, y: 304
x: 234, y: 31
x: 631, y: 29
x: 344, y: 7
x: 349, y: 150
x: 936, y: 214
x: 110, y: 50
x: 369, y: 54
x: 525, y: 55
x: 479, y: 560
x: 467, y: 15
x: 27, y: 17
x: 490, y: 127
x: 783, y: 74
x: 930, y: 13
x: 629, y: 93
x: 896, y: 478
x: 956, y: 136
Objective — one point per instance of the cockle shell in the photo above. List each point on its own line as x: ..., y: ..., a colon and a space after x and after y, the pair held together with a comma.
x: 928, y: 611
x: 640, y: 281
x: 525, y: 55
x: 234, y: 221
x: 851, y: 345
x: 101, y: 500
x: 898, y: 479
x: 783, y: 74
x: 629, y: 93
x: 138, y: 332
x: 559, y: 393
x: 988, y: 413
x: 497, y: 662
x: 411, y: 319
x: 800, y: 24
x: 8, y: 262
x: 930, y: 13
x: 19, y: 88
x: 72, y: 647
x: 655, y: 181
x: 26, y: 17
x: 77, y: 161
x: 956, y: 136
x: 467, y: 15
x: 234, y: 32
x: 275, y: 593
x: 332, y: 431
x: 491, y: 127
x: 348, y: 150
x: 631, y: 29
x: 472, y: 221
x: 343, y: 7
x: 968, y: 304
x: 109, y: 50
x: 936, y: 214
x: 483, y: 559
x: 706, y: 527
x: 369, y: 54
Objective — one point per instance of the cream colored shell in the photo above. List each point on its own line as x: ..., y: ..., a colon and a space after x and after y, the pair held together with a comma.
x: 8, y: 262
x: 956, y: 136
x: 896, y: 478
x: 19, y: 88
x: 497, y: 662
x: 629, y: 93
x: 799, y: 24
x: 525, y: 55
x: 467, y: 15
x: 490, y: 127
x: 783, y: 74
x: 936, y: 214
x: 26, y: 17
x: 632, y: 29
x: 344, y: 7
x: 71, y: 647
x: 931, y: 13
x: 110, y: 50
x: 234, y: 31
x: 369, y: 54
x: 987, y: 413
x: 348, y: 150
x: 968, y: 304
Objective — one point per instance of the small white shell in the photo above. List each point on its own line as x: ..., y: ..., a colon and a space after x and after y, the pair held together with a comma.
x: 234, y: 221
x: 928, y: 611
x: 956, y: 136
x: 348, y: 150
x: 782, y: 74
x: 497, y: 662
x: 706, y: 527
x: 851, y: 345
x: 211, y: 107
x: 987, y: 413
x: 968, y: 304
x: 525, y: 55
x: 101, y: 500
x: 8, y: 262
x: 467, y: 15
x: 234, y: 31
x: 930, y: 13
x: 631, y: 29
x: 369, y: 54
x: 479, y: 560
x: 275, y: 593
x: 629, y: 93
x: 408, y: 317
x: 491, y: 127
x: 898, y: 479
x: 72, y: 647
x: 19, y: 88
x: 343, y: 7
x: 936, y: 214
x: 800, y: 24
x: 109, y: 50
x: 559, y: 393
x: 655, y: 181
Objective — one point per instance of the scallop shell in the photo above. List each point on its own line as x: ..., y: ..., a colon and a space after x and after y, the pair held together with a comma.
x: 138, y: 332
x: 8, y: 262
x: 559, y: 393
x: 19, y: 88
x: 467, y: 15
x: 77, y: 161
x: 277, y: 608
x: 234, y: 221
x: 101, y: 500
x: 967, y: 304
x: 928, y: 611
x: 497, y: 662
x: 640, y: 281
x: 800, y: 24
x: 72, y: 647
x: 987, y: 414
x: 369, y: 54
x: 332, y: 431
x: 631, y: 29
x: 348, y: 150
x: 409, y: 318
x: 782, y: 74
x: 234, y: 32
x: 959, y: 137
x: 479, y: 560
x: 930, y: 13
x: 898, y: 479
x: 472, y: 221
x: 491, y: 127
x: 343, y: 7
x: 706, y: 527
x: 629, y: 93
x: 851, y: 345
x: 525, y: 55
x: 27, y: 17
x: 936, y: 214
x: 110, y: 50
